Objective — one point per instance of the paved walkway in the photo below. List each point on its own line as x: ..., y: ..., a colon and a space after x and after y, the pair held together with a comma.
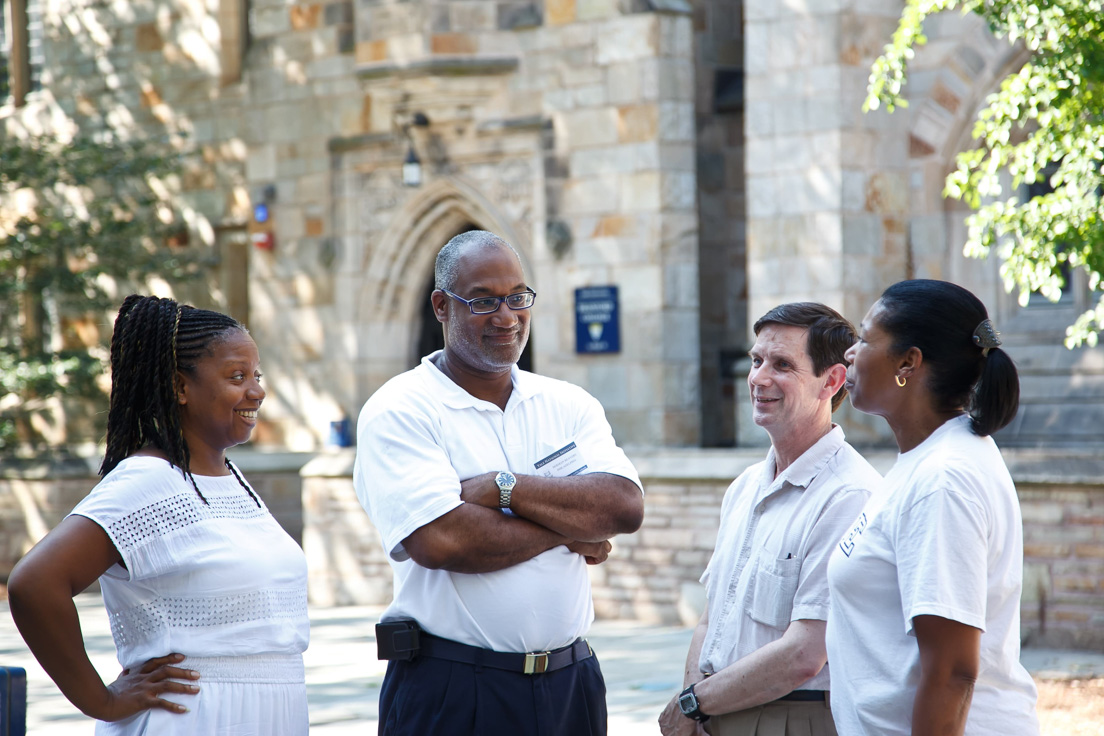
x: 642, y: 666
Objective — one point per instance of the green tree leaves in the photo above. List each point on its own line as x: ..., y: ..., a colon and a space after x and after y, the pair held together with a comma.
x: 76, y: 218
x: 1048, y: 116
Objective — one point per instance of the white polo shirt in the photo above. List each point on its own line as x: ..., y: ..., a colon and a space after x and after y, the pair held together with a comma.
x: 770, y: 563
x: 418, y: 437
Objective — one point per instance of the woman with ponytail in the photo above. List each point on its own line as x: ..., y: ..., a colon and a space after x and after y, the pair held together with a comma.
x: 924, y: 631
x: 206, y: 593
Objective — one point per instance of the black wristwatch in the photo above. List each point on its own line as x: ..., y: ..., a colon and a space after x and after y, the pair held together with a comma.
x: 689, y: 705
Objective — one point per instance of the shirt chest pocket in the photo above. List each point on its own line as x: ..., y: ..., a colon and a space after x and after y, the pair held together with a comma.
x: 772, y: 590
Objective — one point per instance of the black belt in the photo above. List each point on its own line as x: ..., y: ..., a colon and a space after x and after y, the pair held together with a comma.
x: 533, y: 663
x: 805, y: 696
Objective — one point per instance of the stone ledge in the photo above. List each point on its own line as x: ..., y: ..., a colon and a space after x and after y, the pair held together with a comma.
x: 1055, y: 467
x: 1035, y: 466
x: 356, y: 142
x: 519, y: 123
x: 440, y: 66
x: 331, y: 464
x: 61, y: 465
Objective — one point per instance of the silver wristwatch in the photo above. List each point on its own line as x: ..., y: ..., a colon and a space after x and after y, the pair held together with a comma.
x: 505, y: 482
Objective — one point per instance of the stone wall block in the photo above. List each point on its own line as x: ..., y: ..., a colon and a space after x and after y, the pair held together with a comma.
x: 759, y: 120
x: 622, y: 159
x: 592, y: 10
x: 559, y: 12
x: 1042, y: 513
x: 636, y: 123
x: 584, y: 128
x: 453, y: 43
x: 762, y: 202
x: 260, y: 165
x: 591, y: 195
x: 589, y: 96
x: 760, y: 155
x: 676, y: 79
x: 640, y: 192
x: 676, y: 37
x: 680, y: 341
x: 790, y: 117
x: 1089, y: 551
x: 676, y: 122
x: 640, y: 286
x: 823, y: 113
x: 305, y: 17
x: 269, y: 21
x: 368, y: 52
x: 339, y: 13
x: 514, y: 16
x: 472, y: 17
x: 623, y: 83
x: 628, y: 38
x: 678, y: 190
x: 793, y: 153
x: 607, y: 383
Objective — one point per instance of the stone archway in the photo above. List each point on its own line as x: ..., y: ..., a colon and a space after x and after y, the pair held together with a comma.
x: 953, y: 75
x: 389, y: 304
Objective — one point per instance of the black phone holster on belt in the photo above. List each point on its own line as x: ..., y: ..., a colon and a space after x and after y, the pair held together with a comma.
x: 398, y: 639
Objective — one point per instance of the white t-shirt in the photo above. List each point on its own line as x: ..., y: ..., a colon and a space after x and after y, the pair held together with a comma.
x: 776, y: 534
x: 943, y: 537
x: 418, y: 437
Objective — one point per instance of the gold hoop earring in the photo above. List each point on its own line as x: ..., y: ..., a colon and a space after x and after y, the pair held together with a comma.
x: 900, y: 381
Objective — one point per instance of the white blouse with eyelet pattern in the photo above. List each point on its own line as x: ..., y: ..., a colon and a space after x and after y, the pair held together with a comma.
x: 220, y: 582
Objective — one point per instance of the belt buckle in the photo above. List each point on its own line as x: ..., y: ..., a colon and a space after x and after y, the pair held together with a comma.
x: 536, y: 663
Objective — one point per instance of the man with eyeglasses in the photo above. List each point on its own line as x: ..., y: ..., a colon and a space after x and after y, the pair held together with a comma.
x: 492, y: 489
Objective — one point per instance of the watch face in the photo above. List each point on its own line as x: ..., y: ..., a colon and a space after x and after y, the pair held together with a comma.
x: 505, y: 480
x: 688, y: 703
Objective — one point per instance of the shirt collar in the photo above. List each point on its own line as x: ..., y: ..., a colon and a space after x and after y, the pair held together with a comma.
x: 805, y: 469
x: 524, y: 387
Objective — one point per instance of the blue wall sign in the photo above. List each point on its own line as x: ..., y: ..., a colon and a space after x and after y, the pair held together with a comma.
x: 597, y: 320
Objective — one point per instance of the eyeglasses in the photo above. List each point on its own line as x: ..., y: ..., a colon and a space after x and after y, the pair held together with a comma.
x: 490, y: 304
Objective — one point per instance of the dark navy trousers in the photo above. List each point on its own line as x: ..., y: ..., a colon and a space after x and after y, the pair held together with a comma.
x: 436, y: 697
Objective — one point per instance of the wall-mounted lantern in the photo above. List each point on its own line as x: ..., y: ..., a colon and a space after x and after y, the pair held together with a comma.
x: 412, y: 168
x: 412, y: 165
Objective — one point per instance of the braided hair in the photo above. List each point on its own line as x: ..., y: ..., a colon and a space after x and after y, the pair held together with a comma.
x: 155, y: 339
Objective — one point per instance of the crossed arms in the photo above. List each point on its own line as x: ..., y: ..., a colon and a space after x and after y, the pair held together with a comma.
x: 580, y: 511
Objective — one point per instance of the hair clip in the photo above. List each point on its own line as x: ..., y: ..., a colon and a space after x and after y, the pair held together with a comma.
x: 986, y: 337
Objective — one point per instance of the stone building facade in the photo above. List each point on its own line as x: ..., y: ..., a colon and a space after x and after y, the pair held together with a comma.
x: 708, y: 157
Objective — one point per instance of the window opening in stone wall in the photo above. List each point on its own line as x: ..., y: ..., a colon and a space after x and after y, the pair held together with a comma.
x: 728, y: 90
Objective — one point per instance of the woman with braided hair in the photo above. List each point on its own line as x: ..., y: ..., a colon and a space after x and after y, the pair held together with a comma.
x: 923, y: 634
x: 206, y: 593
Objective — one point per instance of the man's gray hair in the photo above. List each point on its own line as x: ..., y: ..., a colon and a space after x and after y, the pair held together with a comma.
x: 448, y: 260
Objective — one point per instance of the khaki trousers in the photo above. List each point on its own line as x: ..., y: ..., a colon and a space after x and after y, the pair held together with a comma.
x: 784, y: 718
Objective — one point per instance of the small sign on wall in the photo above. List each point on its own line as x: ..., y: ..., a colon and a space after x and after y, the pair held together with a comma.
x: 597, y: 320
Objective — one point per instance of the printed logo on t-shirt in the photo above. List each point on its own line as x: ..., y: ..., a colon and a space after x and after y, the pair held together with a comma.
x: 847, y: 544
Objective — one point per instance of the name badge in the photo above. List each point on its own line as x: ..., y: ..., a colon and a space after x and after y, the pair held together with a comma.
x: 563, y: 462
